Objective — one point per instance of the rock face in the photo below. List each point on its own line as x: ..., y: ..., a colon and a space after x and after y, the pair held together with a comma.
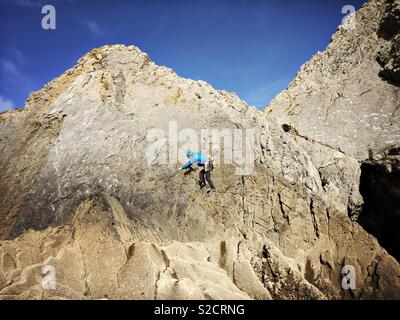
x: 350, y: 93
x: 389, y: 54
x: 348, y: 98
x: 87, y: 197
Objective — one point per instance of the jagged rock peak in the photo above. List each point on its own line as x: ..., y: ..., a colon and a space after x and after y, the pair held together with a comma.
x: 347, y: 96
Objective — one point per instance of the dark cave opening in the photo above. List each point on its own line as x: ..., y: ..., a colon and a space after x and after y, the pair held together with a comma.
x: 380, y: 216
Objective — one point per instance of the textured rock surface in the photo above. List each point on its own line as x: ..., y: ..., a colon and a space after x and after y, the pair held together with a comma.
x: 350, y: 93
x: 348, y: 98
x: 389, y: 54
x: 77, y: 193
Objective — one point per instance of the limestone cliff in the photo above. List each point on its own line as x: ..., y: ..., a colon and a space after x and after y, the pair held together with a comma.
x: 350, y: 93
x: 348, y: 98
x: 79, y: 193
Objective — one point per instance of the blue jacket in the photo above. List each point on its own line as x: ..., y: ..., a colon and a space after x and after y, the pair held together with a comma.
x: 197, y: 158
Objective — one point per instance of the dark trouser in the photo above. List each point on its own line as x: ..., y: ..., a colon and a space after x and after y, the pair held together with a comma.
x: 205, y: 176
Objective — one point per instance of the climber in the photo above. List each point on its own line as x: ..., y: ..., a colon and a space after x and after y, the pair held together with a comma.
x: 199, y: 159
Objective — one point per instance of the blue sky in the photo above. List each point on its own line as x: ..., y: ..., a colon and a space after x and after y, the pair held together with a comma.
x: 251, y: 47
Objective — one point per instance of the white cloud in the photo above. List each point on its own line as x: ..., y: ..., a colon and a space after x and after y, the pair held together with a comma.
x: 94, y: 28
x: 12, y: 75
x: 31, y: 3
x: 13, y: 78
x: 8, y: 66
x: 261, y: 96
x: 23, y: 3
x: 5, y: 104
x: 17, y: 54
